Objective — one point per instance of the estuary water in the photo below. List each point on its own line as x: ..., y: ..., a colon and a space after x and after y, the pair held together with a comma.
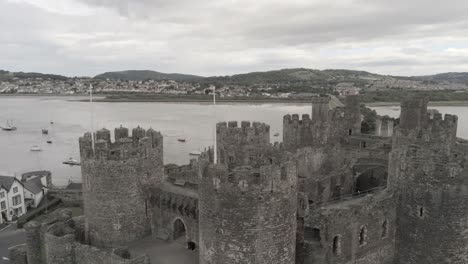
x: 191, y: 121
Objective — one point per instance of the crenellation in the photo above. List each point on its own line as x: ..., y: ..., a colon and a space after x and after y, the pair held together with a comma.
x: 120, y: 132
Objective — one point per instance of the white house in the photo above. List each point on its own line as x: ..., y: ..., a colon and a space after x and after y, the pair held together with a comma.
x: 11, y: 198
x: 35, y: 187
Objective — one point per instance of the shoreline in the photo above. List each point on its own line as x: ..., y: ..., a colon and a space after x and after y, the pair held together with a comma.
x: 181, y: 99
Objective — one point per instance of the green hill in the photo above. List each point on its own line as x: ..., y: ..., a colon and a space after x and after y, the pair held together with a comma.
x: 145, y: 75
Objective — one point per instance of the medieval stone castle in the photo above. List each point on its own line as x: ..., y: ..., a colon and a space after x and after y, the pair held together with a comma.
x: 327, y: 194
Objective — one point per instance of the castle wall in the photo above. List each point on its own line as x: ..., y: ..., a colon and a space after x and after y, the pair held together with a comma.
x: 170, y: 206
x: 334, y: 233
x: 117, y: 179
x: 248, y: 215
x: 428, y: 174
x: 61, y: 241
x: 68, y: 197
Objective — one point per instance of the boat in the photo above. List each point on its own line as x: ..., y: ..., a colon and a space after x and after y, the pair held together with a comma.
x: 276, y: 134
x: 195, y: 153
x: 45, y: 131
x: 71, y: 162
x: 181, y: 140
x: 49, y: 141
x: 51, y: 122
x: 36, y: 148
x: 9, y: 127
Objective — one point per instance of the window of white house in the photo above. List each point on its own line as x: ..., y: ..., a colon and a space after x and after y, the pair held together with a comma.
x: 3, y: 205
x: 20, y: 210
x: 15, y: 189
x: 2, y: 195
x: 16, y: 200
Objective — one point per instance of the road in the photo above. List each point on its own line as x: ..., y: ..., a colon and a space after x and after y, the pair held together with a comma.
x: 9, y: 237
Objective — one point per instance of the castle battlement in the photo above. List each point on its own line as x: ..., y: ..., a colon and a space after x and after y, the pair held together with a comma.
x: 265, y: 179
x: 247, y: 129
x: 294, y: 120
x: 139, y: 145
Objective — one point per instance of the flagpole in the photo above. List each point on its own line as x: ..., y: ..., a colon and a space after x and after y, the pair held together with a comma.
x: 215, y: 152
x: 92, y: 115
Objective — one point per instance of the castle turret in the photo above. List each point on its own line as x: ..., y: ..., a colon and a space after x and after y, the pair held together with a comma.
x: 320, y: 108
x: 413, y: 112
x: 353, y: 114
x: 248, y: 215
x: 242, y: 145
x: 116, y: 179
x: 248, y: 204
x: 427, y: 172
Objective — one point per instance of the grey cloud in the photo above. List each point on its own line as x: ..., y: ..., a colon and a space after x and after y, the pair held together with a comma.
x: 213, y: 37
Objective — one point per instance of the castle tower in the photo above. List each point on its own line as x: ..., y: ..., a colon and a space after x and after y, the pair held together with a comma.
x: 248, y: 213
x: 117, y: 177
x: 242, y: 145
x: 320, y: 108
x: 427, y: 173
x: 353, y: 114
x: 413, y: 112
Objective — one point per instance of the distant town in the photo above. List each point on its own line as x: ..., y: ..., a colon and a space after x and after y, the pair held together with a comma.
x: 281, y: 84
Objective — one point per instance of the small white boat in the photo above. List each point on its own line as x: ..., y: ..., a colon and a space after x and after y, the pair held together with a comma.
x: 45, y: 131
x: 71, y: 162
x: 182, y: 140
x: 36, y: 148
x: 195, y: 153
x: 9, y: 127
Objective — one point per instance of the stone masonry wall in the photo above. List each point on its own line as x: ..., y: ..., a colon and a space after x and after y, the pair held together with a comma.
x: 117, y: 179
x: 248, y: 215
x: 361, y: 230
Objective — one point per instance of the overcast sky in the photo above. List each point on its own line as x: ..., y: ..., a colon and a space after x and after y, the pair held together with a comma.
x: 220, y: 37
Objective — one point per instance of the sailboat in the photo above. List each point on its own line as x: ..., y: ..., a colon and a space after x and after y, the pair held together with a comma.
x: 36, y: 148
x: 9, y: 126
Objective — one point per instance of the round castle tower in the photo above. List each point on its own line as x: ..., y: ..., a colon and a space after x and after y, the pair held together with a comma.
x: 429, y: 174
x: 248, y: 207
x: 117, y: 177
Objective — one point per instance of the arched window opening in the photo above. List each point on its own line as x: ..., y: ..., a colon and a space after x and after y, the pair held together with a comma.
x: 337, y: 245
x: 179, y: 229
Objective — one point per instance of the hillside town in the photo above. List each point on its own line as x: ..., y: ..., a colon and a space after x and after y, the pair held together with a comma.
x: 80, y: 85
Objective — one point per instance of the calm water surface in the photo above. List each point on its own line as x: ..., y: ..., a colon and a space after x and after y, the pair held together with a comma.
x: 193, y: 121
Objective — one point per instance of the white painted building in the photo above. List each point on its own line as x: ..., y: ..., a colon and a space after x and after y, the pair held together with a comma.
x: 11, y: 198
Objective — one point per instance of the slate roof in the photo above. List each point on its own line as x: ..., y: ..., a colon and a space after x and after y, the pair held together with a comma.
x: 7, y: 181
x: 34, y: 185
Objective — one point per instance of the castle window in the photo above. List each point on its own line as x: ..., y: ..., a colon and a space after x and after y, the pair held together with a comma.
x: 350, y: 132
x: 270, y: 160
x: 312, y: 234
x: 231, y: 159
x: 363, y: 144
x: 384, y: 229
x: 421, y: 212
x: 337, y: 245
x: 363, y: 236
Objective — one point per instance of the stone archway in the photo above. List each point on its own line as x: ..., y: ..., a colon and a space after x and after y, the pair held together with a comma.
x: 179, y: 229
